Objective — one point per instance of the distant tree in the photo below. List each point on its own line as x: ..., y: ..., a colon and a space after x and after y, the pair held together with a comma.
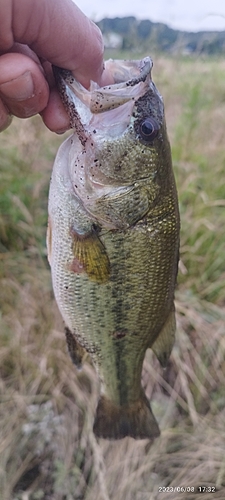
x: 122, y: 25
x: 144, y: 29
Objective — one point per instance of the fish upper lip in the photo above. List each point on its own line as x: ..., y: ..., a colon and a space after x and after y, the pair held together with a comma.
x: 145, y: 66
x: 98, y: 99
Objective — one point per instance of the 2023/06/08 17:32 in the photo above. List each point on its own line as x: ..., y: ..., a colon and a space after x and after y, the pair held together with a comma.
x: 187, y: 489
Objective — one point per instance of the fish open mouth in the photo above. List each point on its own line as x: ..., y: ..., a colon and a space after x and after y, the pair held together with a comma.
x: 131, y: 81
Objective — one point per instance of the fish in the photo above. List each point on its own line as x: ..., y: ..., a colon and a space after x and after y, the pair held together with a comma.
x: 113, y: 238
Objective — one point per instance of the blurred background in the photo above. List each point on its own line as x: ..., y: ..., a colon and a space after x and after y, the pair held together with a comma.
x: 177, y: 14
x: 47, y: 448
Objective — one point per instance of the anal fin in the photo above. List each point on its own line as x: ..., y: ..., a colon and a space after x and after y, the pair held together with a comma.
x: 116, y: 422
x: 163, y: 345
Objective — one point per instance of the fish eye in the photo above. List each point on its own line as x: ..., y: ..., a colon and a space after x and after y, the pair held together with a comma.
x: 149, y: 129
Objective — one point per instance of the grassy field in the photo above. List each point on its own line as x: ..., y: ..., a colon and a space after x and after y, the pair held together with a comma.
x: 47, y: 448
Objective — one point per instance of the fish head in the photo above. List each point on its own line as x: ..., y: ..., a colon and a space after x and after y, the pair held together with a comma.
x: 120, y: 132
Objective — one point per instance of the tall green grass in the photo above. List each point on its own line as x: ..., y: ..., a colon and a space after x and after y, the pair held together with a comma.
x: 47, y: 448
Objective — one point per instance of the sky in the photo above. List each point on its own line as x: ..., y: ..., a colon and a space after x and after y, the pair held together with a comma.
x: 187, y: 15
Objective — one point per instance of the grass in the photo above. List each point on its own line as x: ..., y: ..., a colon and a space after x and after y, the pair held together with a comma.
x: 47, y: 448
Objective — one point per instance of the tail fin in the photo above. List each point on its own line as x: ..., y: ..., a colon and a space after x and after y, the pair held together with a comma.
x: 116, y: 422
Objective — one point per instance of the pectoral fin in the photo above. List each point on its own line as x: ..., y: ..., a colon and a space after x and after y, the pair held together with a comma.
x: 163, y: 345
x: 90, y: 256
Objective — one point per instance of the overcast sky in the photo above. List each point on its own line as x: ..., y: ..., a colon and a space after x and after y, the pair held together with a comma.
x: 189, y: 15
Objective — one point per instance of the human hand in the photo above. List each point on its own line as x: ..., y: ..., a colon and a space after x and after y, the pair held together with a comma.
x: 35, y: 34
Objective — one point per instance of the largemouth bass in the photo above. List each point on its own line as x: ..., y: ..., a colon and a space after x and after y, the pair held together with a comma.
x: 113, y: 238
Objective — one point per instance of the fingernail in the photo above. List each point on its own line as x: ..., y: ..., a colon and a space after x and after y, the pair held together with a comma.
x: 62, y: 131
x: 20, y: 89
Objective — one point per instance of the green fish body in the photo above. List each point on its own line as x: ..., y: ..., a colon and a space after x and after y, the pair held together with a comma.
x: 113, y: 238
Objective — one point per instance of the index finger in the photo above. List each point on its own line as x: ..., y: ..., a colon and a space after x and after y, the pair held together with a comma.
x: 57, y: 31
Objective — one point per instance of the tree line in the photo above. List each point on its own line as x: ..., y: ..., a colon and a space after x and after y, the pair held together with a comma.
x: 134, y: 33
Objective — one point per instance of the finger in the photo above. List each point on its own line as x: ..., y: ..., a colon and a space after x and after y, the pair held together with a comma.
x: 19, y: 48
x: 23, y: 87
x: 54, y: 115
x: 57, y: 31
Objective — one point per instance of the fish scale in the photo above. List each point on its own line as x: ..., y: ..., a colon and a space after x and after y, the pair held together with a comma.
x: 113, y: 241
